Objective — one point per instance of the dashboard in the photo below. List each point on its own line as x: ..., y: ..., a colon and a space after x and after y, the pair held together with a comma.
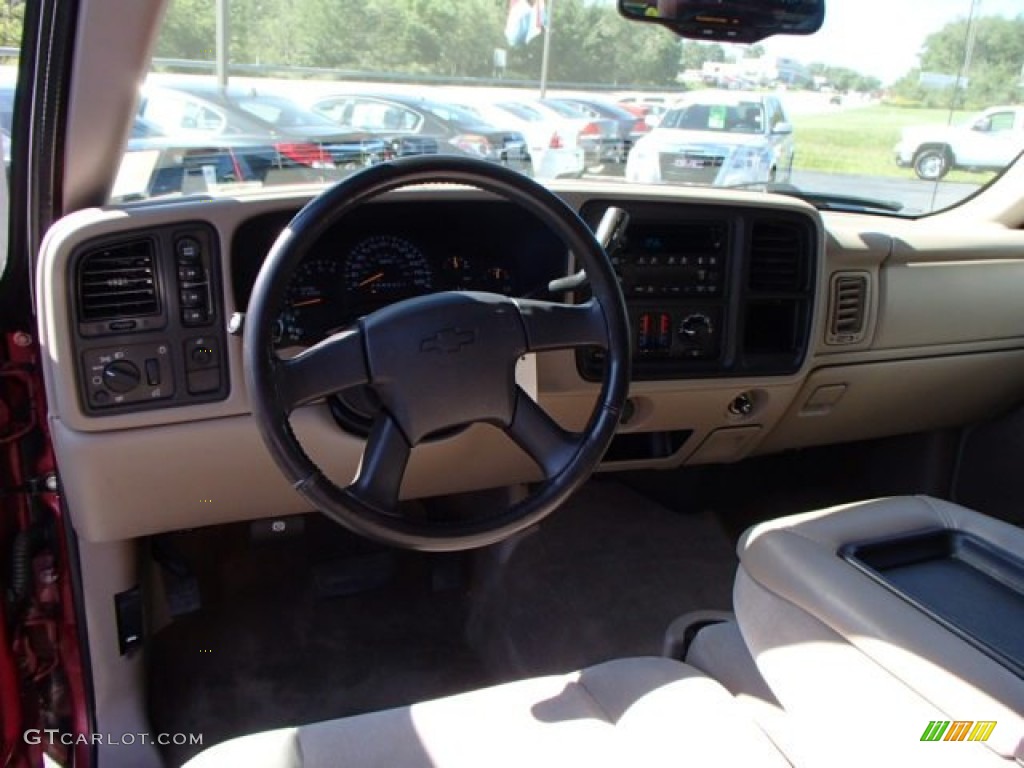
x: 758, y: 325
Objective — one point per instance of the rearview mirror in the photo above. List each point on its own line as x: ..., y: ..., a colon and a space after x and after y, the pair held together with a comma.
x: 733, y: 21
x: 783, y: 128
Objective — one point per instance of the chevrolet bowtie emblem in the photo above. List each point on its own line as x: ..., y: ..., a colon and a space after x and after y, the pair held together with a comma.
x: 448, y: 341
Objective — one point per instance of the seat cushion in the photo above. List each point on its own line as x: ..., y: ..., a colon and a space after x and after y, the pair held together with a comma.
x: 841, y: 651
x: 635, y: 712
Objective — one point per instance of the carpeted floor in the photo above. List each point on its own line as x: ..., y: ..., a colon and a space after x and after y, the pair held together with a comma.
x: 601, y: 578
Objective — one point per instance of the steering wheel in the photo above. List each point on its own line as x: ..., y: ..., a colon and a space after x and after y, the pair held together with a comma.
x: 436, y: 362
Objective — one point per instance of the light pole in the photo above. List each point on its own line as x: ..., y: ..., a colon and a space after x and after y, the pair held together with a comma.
x: 222, y: 42
x: 547, y: 49
x: 965, y: 68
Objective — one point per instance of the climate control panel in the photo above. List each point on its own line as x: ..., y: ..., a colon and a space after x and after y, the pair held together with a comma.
x: 687, y: 332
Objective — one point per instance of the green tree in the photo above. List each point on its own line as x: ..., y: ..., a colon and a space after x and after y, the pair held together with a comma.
x: 12, y: 20
x: 993, y: 70
x: 590, y: 43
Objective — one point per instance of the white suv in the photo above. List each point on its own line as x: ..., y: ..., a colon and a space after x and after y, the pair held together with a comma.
x: 724, y: 138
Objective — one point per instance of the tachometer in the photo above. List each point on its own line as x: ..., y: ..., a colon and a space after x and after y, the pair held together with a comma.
x: 314, y: 307
x: 385, y: 268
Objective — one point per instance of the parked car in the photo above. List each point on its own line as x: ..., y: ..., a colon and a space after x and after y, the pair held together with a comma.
x: 454, y: 129
x: 649, y: 106
x: 553, y: 141
x: 576, y: 128
x: 987, y: 142
x: 723, y: 138
x: 288, y: 143
x: 612, y: 130
x: 155, y: 164
x: 649, y: 113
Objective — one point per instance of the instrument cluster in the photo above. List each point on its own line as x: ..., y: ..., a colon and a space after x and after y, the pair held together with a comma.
x: 387, y: 252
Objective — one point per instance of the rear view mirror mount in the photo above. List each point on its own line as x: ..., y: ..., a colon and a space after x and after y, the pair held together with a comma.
x: 729, y: 21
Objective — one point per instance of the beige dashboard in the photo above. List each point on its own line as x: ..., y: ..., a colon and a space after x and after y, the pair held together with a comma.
x: 913, y: 325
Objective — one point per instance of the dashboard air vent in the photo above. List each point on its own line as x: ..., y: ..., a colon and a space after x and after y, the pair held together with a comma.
x: 848, y: 308
x: 118, y: 282
x: 777, y: 256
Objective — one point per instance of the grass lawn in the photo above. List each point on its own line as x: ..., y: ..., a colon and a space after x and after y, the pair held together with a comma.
x: 860, y: 140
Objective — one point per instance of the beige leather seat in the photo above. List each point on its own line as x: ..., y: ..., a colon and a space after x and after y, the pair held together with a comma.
x: 859, y: 671
x: 629, y: 712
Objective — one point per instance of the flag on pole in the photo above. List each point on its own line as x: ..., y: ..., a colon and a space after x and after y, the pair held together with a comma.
x: 527, y: 19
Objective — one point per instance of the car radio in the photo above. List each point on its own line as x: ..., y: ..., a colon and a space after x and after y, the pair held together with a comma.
x: 673, y: 275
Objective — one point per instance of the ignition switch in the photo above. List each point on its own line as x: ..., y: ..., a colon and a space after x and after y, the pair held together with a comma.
x: 742, y: 405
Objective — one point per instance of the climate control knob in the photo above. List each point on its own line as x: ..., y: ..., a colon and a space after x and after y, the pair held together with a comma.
x: 121, y: 376
x: 695, y: 327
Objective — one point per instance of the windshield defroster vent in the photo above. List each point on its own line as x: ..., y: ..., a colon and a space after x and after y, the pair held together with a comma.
x: 116, y: 284
x: 848, y: 308
x: 777, y: 257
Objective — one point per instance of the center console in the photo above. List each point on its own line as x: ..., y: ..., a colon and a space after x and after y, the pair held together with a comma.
x: 711, y: 291
x: 903, y: 613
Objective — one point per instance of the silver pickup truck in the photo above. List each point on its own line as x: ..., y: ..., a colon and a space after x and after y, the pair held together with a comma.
x: 987, y: 142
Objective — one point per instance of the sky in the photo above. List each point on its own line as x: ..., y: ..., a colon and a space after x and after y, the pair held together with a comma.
x: 881, y: 37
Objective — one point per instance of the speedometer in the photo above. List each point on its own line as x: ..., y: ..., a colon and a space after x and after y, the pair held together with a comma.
x: 387, y: 268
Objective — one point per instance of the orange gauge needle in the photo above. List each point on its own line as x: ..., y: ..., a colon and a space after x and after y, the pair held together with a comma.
x: 307, y: 303
x: 371, y: 279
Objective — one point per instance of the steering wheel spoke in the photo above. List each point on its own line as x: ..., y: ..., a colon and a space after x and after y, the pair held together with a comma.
x: 540, y: 436
x: 551, y: 325
x: 385, y: 457
x: 335, y: 364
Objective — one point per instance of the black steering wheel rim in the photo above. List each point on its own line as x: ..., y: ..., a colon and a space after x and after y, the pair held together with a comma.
x: 276, y: 387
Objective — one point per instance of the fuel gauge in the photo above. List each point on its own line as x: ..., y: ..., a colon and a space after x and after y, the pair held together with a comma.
x: 457, y: 273
x: 498, y: 280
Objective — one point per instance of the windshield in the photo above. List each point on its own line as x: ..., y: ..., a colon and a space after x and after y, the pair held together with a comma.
x: 906, y: 107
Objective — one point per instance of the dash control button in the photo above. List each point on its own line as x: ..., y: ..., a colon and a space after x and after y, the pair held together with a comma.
x: 194, y: 316
x: 153, y: 372
x: 188, y: 250
x: 190, y: 273
x: 200, y: 382
x: 201, y: 353
x: 190, y: 297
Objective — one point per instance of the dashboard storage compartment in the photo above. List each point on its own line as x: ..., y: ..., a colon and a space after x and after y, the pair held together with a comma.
x: 970, y: 587
x: 644, y: 446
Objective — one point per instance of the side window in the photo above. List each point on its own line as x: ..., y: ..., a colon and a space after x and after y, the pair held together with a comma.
x: 197, y: 117
x: 367, y: 115
x: 1000, y: 121
x: 164, y: 111
x: 375, y: 116
x: 399, y: 119
x: 338, y: 111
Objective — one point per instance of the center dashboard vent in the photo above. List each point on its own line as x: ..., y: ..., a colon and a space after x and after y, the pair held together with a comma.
x: 118, y: 282
x: 777, y: 257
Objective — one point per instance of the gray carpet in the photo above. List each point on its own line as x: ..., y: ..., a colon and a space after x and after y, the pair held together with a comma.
x: 601, y: 578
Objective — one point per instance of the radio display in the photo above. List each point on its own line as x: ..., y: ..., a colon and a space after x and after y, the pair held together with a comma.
x: 666, y: 259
